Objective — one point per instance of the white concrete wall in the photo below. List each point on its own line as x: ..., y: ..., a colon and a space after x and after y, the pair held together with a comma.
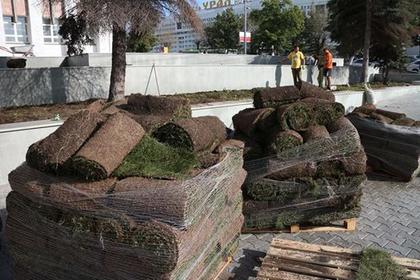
x: 15, y: 140
x: 179, y: 59
x: 19, y: 87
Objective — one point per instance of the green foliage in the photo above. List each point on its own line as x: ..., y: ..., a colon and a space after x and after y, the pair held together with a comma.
x: 378, y: 265
x: 142, y: 42
x: 314, y: 35
x: 153, y: 159
x: 74, y: 32
x: 392, y: 25
x: 392, y: 21
x: 223, y: 33
x: 347, y: 24
x: 277, y: 24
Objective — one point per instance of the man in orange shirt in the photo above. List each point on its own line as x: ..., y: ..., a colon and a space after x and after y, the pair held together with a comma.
x: 328, y: 66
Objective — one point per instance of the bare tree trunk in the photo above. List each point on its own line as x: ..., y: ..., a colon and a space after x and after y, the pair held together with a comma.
x: 119, y: 48
x: 366, y: 47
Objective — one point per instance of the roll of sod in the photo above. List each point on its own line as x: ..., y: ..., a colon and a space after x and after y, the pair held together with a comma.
x: 391, y: 115
x: 309, y: 90
x: 51, y: 153
x: 297, y: 116
x: 294, y: 170
x: 248, y: 121
x: 274, y: 97
x: 305, y: 189
x: 381, y: 118
x: 280, y: 141
x: 404, y: 122
x: 325, y: 112
x: 156, y: 105
x: 315, y: 132
x: 107, y: 148
x: 195, y: 135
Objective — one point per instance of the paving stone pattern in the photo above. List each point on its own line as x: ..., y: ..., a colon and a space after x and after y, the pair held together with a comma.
x: 390, y: 220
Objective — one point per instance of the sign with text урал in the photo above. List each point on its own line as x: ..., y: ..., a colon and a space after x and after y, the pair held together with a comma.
x: 215, y: 4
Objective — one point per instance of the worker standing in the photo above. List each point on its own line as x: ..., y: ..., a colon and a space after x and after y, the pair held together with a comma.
x: 297, y: 59
x: 328, y: 66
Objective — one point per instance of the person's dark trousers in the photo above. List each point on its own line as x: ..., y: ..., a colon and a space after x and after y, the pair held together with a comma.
x: 297, y: 76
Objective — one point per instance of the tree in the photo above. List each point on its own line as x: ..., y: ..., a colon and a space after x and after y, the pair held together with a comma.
x: 278, y: 24
x: 381, y: 28
x: 367, y: 39
x: 314, y: 35
x: 75, y: 34
x: 223, y: 33
x: 141, y: 42
x: 120, y: 16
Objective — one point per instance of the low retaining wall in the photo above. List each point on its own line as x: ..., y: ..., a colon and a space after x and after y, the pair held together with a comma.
x: 16, y: 138
x: 400, y: 77
x: 19, y: 87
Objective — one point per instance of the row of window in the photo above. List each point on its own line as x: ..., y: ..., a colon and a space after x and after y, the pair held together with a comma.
x: 17, y: 32
x: 15, y: 20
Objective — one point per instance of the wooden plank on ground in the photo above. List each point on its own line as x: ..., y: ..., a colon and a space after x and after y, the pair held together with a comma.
x: 287, y: 260
x: 315, y: 258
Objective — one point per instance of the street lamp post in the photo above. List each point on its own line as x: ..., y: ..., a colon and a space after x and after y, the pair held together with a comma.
x: 418, y: 42
x: 245, y: 22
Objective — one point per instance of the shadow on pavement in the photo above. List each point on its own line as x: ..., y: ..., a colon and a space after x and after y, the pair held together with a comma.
x: 246, y: 267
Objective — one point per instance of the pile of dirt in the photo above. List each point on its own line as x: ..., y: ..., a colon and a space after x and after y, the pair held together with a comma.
x: 102, y: 199
x: 391, y: 141
x: 304, y: 159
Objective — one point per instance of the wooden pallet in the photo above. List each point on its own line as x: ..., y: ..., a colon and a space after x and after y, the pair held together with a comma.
x: 290, y: 260
x: 348, y: 225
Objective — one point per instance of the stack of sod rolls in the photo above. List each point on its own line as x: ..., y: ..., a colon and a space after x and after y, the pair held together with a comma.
x: 391, y: 141
x: 101, y: 199
x: 304, y: 159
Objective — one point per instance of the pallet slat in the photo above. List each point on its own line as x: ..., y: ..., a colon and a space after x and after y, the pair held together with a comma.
x: 288, y: 259
x: 314, y: 258
x: 348, y: 225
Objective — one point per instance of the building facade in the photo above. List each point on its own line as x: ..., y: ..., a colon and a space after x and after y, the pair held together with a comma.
x: 28, y: 24
x: 180, y: 36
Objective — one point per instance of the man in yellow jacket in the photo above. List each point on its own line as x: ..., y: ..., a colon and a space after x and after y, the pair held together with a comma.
x: 297, y: 59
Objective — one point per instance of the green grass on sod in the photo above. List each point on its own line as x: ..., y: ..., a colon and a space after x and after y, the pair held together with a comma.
x: 156, y: 160
x: 378, y: 265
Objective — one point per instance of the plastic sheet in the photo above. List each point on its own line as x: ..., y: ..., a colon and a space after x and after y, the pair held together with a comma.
x: 392, y: 149
x: 131, y: 229
x: 313, y: 181
x: 64, y: 227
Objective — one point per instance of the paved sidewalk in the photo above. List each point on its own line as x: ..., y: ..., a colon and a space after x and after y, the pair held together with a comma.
x: 390, y: 220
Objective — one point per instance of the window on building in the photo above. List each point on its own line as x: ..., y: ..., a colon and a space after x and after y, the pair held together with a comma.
x: 15, y: 21
x: 52, y: 11
x: 178, y: 25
